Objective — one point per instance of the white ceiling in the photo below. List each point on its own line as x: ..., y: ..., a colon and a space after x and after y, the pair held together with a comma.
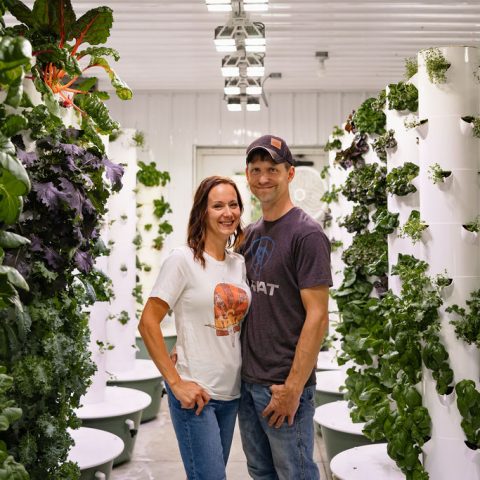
x: 168, y: 45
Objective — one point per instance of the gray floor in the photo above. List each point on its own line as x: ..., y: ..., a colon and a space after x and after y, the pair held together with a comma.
x: 156, y: 455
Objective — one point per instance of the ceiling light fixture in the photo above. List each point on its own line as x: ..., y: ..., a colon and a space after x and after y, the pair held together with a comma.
x: 219, y: 5
x: 240, y: 33
x: 253, y: 104
x: 255, y: 5
x: 231, y: 65
x: 254, y: 87
x: 321, y: 68
x: 234, y: 104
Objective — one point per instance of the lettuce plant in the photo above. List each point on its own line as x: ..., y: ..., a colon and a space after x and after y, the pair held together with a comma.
x: 402, y: 96
x: 366, y: 185
x: 398, y: 180
x: 369, y: 118
x: 353, y: 155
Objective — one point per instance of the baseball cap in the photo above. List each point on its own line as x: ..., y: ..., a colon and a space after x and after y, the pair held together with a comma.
x: 275, y: 146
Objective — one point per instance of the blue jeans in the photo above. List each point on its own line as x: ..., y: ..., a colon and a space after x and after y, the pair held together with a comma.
x: 284, y: 453
x: 204, y: 440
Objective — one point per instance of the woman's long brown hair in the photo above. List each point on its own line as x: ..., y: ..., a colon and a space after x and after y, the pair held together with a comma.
x: 197, y: 223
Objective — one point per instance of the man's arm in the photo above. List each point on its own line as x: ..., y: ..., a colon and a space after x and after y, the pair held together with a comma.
x: 286, y: 398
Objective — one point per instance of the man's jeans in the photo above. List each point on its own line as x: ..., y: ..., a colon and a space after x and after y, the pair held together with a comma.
x: 204, y: 439
x: 284, y: 453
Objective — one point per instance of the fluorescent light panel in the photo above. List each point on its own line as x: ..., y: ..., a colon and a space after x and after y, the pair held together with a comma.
x: 255, y: 71
x: 230, y: 71
x: 255, y: 48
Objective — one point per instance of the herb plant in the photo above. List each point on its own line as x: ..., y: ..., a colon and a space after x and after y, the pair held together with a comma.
x: 411, y: 67
x: 149, y: 176
x: 473, y: 226
x: 467, y: 323
x: 335, y: 244
x: 384, y: 142
x: 413, y: 122
x: 402, y: 96
x: 436, y: 65
x: 398, y: 180
x: 413, y: 227
x: 437, y: 175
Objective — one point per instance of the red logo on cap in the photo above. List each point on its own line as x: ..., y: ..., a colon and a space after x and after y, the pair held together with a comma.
x: 276, y: 143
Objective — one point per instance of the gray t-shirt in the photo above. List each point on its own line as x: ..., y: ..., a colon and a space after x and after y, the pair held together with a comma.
x: 282, y: 257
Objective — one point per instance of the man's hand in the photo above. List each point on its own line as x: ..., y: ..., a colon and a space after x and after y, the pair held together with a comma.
x: 190, y: 394
x: 283, y: 405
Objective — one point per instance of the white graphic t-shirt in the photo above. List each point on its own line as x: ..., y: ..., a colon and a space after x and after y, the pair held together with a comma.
x: 209, y: 306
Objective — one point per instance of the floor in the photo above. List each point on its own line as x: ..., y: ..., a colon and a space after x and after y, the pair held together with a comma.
x: 156, y: 454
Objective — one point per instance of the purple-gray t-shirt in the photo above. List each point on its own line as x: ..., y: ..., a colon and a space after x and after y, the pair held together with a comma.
x: 282, y: 257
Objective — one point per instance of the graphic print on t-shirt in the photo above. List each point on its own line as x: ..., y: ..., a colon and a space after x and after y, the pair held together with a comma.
x: 230, y: 306
x: 261, y: 250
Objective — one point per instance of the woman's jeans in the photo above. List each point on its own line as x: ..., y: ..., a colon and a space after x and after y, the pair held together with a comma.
x: 204, y: 439
x: 284, y: 453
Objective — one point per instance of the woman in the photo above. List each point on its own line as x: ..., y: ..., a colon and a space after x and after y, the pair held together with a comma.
x: 204, y: 284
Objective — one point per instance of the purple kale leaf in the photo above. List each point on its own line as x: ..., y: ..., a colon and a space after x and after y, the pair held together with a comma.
x: 83, y: 261
x: 73, y: 197
x: 114, y: 173
x: 48, y: 194
x: 27, y: 158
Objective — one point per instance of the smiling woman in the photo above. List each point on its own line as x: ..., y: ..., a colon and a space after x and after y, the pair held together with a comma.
x: 205, y: 285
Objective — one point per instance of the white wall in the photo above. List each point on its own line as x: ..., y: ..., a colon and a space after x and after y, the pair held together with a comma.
x: 175, y: 122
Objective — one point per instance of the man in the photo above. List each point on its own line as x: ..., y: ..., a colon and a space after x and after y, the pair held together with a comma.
x: 288, y: 268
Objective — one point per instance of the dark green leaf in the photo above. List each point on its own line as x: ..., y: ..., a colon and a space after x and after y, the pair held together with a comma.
x: 93, y: 27
x: 12, y: 240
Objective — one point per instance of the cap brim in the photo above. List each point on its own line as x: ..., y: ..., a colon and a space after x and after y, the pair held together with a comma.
x: 275, y: 157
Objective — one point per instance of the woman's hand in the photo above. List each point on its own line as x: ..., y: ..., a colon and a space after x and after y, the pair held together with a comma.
x: 190, y: 394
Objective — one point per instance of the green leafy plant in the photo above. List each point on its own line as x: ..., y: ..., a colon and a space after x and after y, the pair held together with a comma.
x: 164, y: 229
x: 385, y: 221
x: 468, y: 403
x: 104, y: 347
x: 398, y: 180
x: 436, y: 174
x: 337, y: 132
x: 413, y: 227
x: 335, y: 144
x: 402, y: 96
x: 369, y: 118
x: 413, y: 122
x: 368, y: 253
x: 384, y: 142
x: 123, y: 317
x: 366, y: 185
x: 436, y: 65
x: 137, y: 241
x: 60, y: 65
x: 353, y: 155
x: 161, y: 207
x: 137, y: 293
x: 435, y: 357
x: 357, y: 221
x: 411, y: 67
x: 473, y: 226
x: 331, y: 195
x: 467, y: 325
x: 335, y: 244
x: 150, y: 176
x: 139, y: 139
x: 475, y: 121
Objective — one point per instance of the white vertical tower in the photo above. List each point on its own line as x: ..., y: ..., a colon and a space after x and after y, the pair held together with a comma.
x: 121, y: 262
x: 445, y: 209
